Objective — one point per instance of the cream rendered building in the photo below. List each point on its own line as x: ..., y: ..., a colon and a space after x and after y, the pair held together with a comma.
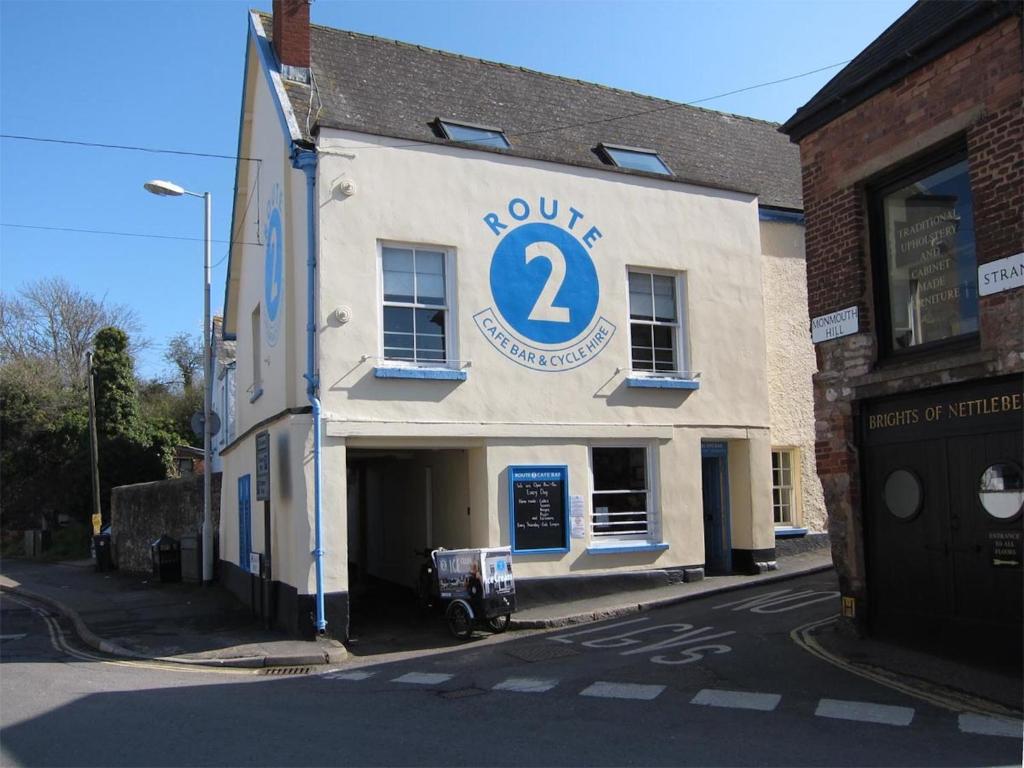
x: 464, y: 336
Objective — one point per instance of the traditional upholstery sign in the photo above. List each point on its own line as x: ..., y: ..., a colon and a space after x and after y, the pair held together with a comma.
x: 545, y: 287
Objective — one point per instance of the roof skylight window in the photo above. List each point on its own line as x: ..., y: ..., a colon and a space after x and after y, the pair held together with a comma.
x: 636, y: 159
x: 473, y: 134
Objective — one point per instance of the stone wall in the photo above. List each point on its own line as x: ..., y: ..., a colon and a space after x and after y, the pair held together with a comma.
x: 143, y: 512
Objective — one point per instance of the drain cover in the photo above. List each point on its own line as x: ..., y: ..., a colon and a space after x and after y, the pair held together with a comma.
x: 278, y: 671
x: 542, y: 652
x: 462, y: 693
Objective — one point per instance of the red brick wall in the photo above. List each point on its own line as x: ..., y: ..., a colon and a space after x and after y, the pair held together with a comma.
x: 986, y: 73
x: 977, y: 87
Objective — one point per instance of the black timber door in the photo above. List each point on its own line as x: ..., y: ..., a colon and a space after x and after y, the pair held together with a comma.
x: 942, y: 569
x: 987, y: 590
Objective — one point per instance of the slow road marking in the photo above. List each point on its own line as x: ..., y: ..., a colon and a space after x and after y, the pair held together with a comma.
x: 764, y: 702
x: 865, y: 712
x: 623, y: 691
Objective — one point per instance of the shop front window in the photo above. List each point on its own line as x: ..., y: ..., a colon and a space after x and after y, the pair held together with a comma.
x: 620, y: 500
x: 929, y: 260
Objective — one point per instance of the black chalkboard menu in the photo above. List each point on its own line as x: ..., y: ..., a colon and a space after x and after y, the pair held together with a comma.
x: 538, y: 501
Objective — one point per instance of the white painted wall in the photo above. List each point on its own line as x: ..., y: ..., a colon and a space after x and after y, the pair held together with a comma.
x: 503, y: 413
x: 439, y: 195
x: 791, y: 361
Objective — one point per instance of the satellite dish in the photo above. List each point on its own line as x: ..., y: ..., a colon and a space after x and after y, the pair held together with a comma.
x: 197, y: 423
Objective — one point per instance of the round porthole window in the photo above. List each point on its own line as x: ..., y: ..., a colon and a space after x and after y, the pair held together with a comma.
x: 903, y: 494
x: 1001, y: 490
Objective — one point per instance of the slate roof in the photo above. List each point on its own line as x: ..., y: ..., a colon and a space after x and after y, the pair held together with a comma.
x: 929, y: 29
x: 383, y: 87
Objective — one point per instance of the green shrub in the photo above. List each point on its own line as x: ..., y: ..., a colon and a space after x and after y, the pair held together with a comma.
x: 69, y: 543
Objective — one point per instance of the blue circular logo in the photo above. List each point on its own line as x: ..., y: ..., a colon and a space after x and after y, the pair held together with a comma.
x: 544, y: 283
x: 273, y: 266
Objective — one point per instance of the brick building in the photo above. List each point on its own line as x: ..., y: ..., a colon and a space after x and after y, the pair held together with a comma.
x: 913, y: 180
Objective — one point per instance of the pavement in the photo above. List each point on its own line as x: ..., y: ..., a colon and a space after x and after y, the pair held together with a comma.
x: 136, y: 617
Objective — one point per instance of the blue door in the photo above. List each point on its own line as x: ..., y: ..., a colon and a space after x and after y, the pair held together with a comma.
x: 717, y: 533
x: 244, y: 521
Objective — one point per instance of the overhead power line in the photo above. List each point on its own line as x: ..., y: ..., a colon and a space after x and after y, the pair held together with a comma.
x: 669, y: 107
x: 581, y: 124
x: 155, y: 150
x: 121, y: 234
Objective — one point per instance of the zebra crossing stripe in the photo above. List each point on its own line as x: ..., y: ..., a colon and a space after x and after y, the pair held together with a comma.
x: 987, y: 725
x: 355, y: 674
x: 862, y: 711
x: 423, y: 678
x: 865, y: 712
x: 525, y: 685
x: 764, y: 702
x: 623, y: 691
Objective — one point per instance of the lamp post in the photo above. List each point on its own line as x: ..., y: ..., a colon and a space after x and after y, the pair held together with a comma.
x: 94, y: 452
x: 168, y: 189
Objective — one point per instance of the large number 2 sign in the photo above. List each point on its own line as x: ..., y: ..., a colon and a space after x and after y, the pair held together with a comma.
x: 545, y: 309
x: 526, y: 292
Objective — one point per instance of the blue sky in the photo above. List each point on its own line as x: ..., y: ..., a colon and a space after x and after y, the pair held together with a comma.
x: 167, y: 75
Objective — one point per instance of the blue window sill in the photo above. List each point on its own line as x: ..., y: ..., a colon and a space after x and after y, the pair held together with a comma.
x: 402, y: 372
x: 790, y: 533
x: 256, y: 395
x: 661, y: 382
x: 619, y: 549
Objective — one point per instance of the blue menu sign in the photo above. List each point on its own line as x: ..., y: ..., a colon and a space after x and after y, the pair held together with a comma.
x: 538, y: 501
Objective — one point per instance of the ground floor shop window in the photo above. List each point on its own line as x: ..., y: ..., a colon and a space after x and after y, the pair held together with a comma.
x: 784, y: 500
x: 621, y: 501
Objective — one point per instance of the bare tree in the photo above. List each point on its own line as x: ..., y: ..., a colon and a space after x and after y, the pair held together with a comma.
x: 51, y: 319
x: 185, y: 352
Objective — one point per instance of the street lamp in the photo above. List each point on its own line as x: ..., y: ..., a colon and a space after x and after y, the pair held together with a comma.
x: 169, y: 189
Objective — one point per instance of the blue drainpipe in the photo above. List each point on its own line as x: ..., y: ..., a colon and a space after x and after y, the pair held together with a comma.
x: 305, y: 160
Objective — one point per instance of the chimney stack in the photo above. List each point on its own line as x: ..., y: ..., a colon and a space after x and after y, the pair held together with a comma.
x: 291, y: 38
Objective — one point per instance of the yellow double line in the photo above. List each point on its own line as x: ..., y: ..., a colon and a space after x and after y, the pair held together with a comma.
x: 60, y: 644
x: 937, y: 695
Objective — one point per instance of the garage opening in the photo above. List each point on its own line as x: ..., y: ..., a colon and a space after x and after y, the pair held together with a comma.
x: 400, y: 503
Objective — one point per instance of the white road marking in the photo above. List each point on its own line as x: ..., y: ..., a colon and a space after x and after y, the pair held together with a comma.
x: 423, y: 678
x: 765, y: 702
x: 562, y: 638
x: 12, y: 637
x: 986, y: 725
x: 623, y: 691
x: 865, y: 712
x: 763, y: 603
x: 355, y: 674
x: 526, y: 685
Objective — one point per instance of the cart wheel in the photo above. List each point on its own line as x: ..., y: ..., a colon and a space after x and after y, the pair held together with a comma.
x: 499, y: 624
x: 459, y: 622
